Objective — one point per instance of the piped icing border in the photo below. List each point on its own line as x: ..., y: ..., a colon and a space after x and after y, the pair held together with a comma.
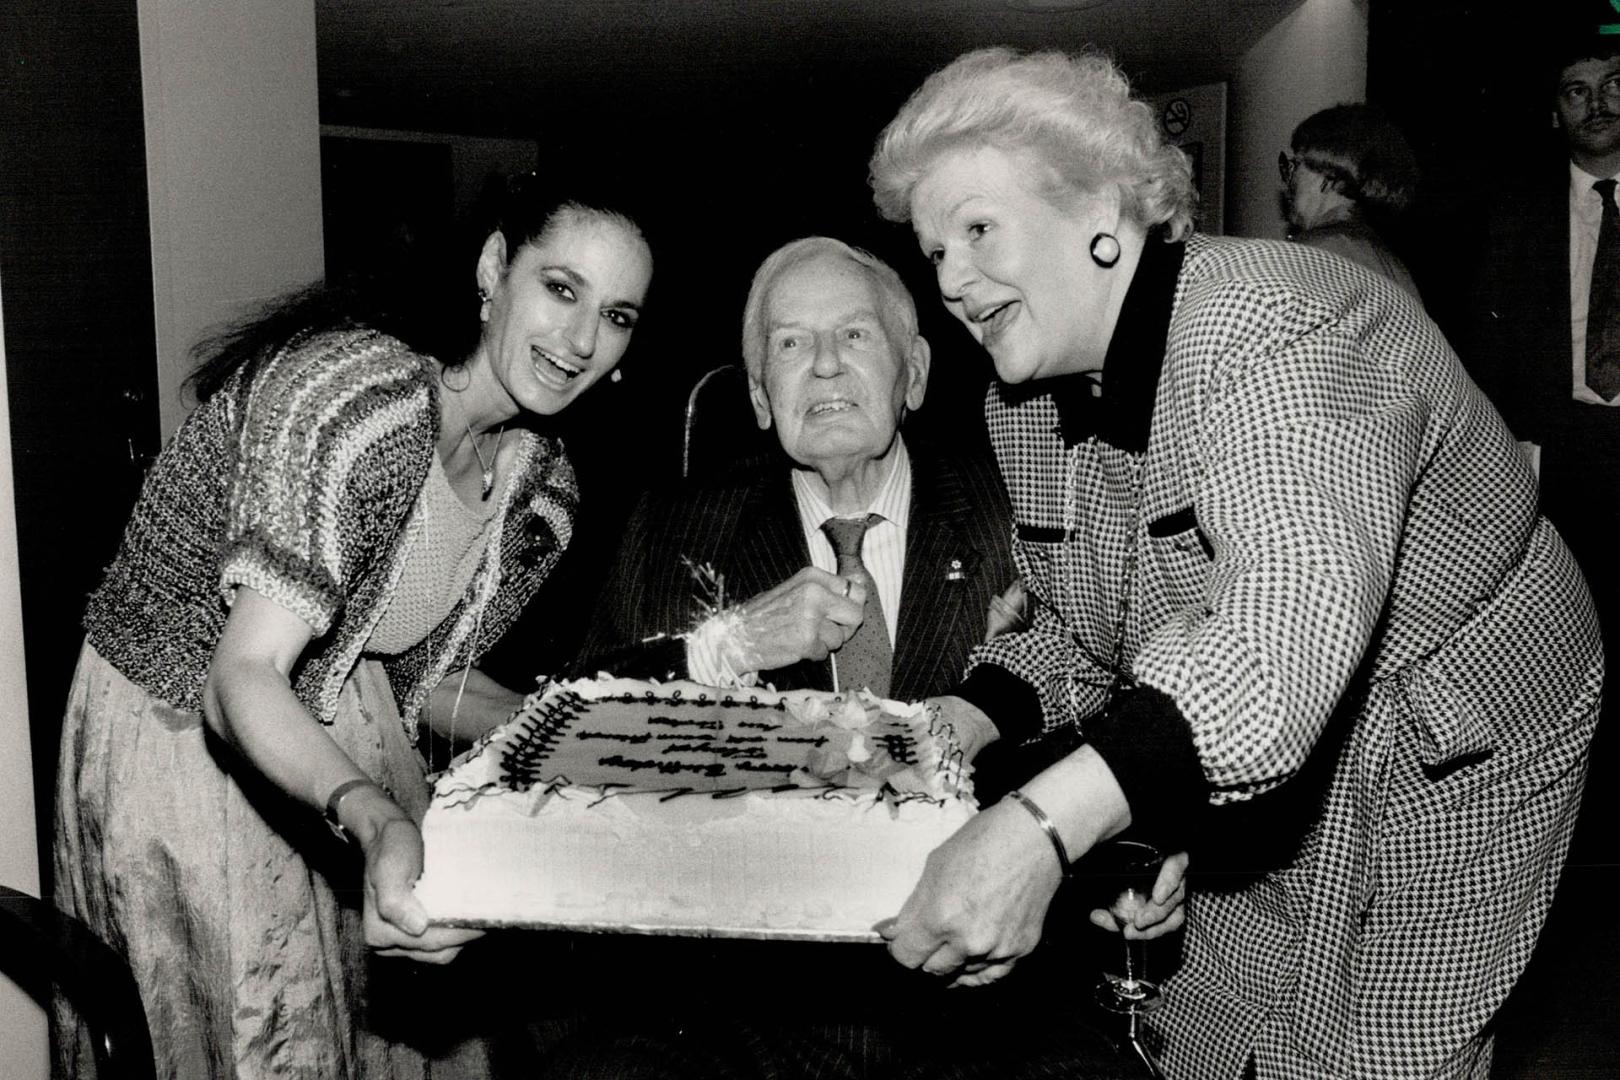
x: 534, y: 734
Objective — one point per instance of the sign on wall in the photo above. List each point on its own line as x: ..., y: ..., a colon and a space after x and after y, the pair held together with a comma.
x: 1195, y: 120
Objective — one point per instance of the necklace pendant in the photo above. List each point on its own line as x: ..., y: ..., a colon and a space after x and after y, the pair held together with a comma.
x: 488, y: 467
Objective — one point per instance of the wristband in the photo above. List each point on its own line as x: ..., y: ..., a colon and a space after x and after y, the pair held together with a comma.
x: 1046, y: 826
x: 334, y: 800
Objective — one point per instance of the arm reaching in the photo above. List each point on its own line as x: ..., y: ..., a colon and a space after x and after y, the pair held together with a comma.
x: 249, y: 701
x: 483, y: 704
x: 984, y: 892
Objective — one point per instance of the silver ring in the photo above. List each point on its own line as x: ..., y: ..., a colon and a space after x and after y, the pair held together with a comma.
x: 849, y: 583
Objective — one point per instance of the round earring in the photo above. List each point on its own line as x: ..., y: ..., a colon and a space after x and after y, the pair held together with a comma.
x: 617, y: 376
x: 1104, y: 250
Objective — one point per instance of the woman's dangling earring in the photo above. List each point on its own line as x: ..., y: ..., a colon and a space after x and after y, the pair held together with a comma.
x: 1104, y: 250
x: 617, y: 376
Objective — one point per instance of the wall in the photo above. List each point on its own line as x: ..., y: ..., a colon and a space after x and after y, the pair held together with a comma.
x: 79, y: 344
x: 22, y: 1024
x: 233, y: 164
x: 1313, y: 58
x: 1194, y: 118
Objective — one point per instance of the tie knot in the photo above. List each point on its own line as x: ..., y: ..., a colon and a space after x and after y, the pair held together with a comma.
x: 1605, y: 190
x: 846, y: 534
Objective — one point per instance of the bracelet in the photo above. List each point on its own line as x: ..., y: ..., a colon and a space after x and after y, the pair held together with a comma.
x: 336, y: 798
x: 1046, y: 826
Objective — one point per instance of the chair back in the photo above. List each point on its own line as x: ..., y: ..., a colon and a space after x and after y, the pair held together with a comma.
x: 719, y: 426
x: 41, y: 947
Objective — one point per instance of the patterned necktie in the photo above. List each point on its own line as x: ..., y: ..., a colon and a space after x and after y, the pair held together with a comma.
x: 866, y: 657
x: 1603, y: 309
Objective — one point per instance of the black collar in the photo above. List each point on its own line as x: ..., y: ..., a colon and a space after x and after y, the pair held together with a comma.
x: 1122, y: 414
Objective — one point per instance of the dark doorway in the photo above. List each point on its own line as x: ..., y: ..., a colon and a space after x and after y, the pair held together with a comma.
x: 76, y: 267
x: 384, y: 202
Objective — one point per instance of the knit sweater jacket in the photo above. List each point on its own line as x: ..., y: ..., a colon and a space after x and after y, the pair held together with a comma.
x: 302, y: 482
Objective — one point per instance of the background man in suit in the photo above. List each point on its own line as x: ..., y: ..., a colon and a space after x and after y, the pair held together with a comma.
x: 1545, y: 345
x: 834, y: 363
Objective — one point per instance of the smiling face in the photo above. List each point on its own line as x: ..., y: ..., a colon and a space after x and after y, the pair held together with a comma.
x: 562, y: 310
x: 1587, y: 107
x: 835, y: 378
x: 1012, y: 266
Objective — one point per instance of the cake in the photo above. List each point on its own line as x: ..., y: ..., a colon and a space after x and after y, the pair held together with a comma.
x: 615, y: 804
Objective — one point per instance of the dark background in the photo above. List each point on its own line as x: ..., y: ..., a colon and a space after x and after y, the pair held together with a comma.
x: 726, y: 170
x: 723, y: 170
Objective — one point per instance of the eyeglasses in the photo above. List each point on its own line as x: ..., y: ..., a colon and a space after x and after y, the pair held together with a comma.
x: 1288, y: 164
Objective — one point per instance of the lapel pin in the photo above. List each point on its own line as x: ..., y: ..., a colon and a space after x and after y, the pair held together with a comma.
x: 955, y: 572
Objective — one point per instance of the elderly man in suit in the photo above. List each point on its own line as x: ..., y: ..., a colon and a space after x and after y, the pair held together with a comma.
x: 1545, y: 346
x: 835, y: 362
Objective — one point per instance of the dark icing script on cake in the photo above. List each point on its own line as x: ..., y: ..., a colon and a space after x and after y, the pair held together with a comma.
x: 674, y: 744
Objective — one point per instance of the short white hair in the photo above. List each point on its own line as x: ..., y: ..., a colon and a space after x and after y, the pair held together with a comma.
x: 1073, y: 113
x: 897, y: 309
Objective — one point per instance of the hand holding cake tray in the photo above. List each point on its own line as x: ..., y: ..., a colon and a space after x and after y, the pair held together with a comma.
x: 673, y: 808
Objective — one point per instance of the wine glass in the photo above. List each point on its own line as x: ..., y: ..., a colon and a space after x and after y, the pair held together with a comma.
x: 1133, y: 866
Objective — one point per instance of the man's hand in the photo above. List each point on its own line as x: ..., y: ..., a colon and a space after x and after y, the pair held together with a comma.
x: 806, y: 617
x: 1009, y: 612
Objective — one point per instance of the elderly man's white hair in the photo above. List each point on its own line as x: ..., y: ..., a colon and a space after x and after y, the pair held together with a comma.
x: 898, y: 311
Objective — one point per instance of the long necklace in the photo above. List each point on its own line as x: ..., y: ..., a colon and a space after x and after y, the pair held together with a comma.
x: 1119, y: 678
x: 488, y: 467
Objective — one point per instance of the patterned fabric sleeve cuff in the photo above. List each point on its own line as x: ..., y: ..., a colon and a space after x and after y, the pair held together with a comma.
x: 307, y: 603
x: 714, y: 648
x: 1010, y: 702
x: 1147, y: 744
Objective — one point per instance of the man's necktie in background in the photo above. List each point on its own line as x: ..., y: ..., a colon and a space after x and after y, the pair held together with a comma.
x: 1603, y: 309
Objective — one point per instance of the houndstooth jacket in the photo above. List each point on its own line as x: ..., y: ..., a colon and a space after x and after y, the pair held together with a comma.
x: 1309, y: 549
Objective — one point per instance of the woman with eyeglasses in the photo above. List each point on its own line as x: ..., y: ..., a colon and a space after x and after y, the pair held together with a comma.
x: 1347, y: 175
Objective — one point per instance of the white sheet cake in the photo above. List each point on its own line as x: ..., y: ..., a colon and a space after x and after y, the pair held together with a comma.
x: 615, y: 804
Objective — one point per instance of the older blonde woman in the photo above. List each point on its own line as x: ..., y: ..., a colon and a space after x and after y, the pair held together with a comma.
x: 1285, y: 555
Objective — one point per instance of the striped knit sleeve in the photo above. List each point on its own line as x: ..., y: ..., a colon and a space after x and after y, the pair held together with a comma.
x: 333, y: 438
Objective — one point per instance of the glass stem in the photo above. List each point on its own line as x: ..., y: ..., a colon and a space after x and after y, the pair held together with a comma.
x: 1135, y: 954
x: 1135, y: 962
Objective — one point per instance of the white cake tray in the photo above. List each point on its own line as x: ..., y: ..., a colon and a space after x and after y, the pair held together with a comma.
x: 752, y: 933
x: 817, y: 867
